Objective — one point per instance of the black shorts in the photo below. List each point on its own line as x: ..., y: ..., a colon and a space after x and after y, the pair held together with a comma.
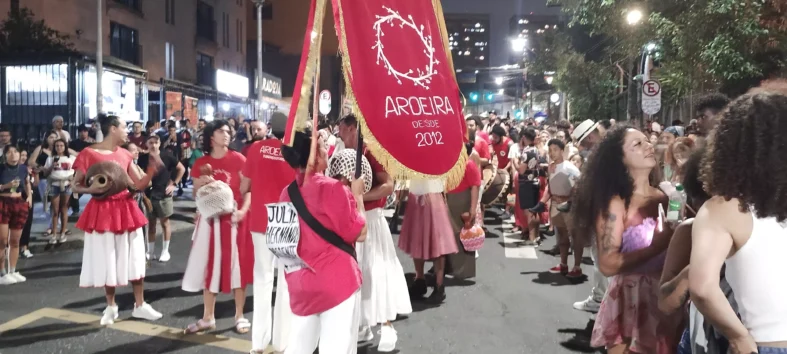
x: 528, y: 193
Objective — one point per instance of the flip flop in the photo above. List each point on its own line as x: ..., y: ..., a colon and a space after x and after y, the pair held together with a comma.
x: 242, y: 326
x: 200, y: 326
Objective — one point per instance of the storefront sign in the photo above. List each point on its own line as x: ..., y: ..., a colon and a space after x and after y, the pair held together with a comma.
x: 403, y: 84
x: 271, y: 86
x: 232, y: 84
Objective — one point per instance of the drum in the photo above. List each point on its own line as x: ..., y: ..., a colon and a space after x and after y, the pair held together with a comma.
x: 489, y: 173
x: 497, y: 188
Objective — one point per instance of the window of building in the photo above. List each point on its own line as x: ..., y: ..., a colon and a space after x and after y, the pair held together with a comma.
x: 169, y: 11
x: 267, y: 12
x: 169, y: 54
x: 206, y: 73
x: 124, y: 43
x: 206, y: 23
x: 239, y: 35
x: 225, y: 28
x: 134, y: 4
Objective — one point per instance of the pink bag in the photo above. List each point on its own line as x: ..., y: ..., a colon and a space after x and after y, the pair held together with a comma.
x: 471, y: 235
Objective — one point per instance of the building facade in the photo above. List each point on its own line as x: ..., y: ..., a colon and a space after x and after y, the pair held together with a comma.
x: 468, y: 37
x: 160, y: 57
x: 527, y: 28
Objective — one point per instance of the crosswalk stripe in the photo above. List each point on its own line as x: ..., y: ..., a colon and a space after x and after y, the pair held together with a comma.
x: 514, y: 248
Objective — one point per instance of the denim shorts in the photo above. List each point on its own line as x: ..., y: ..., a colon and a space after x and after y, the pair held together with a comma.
x: 769, y: 350
x: 55, y: 191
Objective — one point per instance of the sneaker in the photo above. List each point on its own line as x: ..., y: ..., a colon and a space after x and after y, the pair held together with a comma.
x: 110, y: 315
x: 62, y: 239
x: 560, y: 268
x: 26, y: 254
x: 589, y: 305
x: 164, y: 256
x: 388, y: 339
x: 19, y: 278
x: 477, y: 255
x: 146, y: 312
x: 575, y: 273
x: 365, y: 334
x: 8, y: 279
x: 147, y: 256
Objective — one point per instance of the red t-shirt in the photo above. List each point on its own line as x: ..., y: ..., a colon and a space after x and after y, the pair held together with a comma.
x: 138, y: 140
x: 471, y: 179
x: 333, y: 275
x: 269, y: 175
x: 376, y: 168
x: 501, y: 150
x: 482, y: 148
x: 226, y: 169
x: 483, y: 135
x: 90, y: 156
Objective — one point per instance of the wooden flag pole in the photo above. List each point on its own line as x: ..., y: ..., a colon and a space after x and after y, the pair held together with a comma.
x: 359, y: 155
x: 311, y: 167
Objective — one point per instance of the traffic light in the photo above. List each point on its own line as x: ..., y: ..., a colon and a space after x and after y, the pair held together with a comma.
x: 473, y: 97
x: 490, y: 96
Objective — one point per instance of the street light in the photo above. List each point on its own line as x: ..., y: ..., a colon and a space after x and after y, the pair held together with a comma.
x: 634, y: 16
x: 518, y: 45
x: 555, y: 97
x: 499, y: 81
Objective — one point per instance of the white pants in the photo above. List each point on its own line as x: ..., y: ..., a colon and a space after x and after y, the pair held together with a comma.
x: 269, y: 326
x: 336, y: 330
x: 600, y: 282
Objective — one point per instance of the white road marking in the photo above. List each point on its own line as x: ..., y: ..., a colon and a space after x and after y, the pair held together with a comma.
x: 515, y: 247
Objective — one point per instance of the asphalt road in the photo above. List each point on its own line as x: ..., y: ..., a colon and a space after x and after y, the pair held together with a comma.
x: 513, y: 306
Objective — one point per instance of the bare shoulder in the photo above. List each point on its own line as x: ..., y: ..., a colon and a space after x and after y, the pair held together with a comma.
x: 727, y: 215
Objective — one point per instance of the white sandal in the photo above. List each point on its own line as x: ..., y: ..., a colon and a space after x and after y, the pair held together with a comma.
x: 242, y: 325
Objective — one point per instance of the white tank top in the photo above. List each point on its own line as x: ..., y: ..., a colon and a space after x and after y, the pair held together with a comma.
x: 760, y: 292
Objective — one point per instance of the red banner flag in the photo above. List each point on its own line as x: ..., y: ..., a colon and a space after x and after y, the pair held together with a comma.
x: 402, y: 83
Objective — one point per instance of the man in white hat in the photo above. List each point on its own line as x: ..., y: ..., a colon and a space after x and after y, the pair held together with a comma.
x: 588, y: 135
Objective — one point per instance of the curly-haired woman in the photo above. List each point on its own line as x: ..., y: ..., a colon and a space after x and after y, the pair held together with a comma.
x: 617, y: 198
x: 743, y: 225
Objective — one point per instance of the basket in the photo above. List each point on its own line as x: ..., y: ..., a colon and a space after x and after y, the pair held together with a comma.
x: 214, y: 199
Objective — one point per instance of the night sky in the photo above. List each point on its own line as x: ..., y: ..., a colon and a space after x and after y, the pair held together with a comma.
x: 500, y: 12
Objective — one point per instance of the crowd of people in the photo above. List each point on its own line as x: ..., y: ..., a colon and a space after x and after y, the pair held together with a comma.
x: 661, y: 285
x: 685, y: 284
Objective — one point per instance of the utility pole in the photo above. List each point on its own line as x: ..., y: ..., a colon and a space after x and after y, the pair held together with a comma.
x: 100, y: 58
x: 259, y: 4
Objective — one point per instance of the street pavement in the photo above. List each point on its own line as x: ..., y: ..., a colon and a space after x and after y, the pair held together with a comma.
x: 514, y: 305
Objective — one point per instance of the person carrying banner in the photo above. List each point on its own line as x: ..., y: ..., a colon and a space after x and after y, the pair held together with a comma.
x: 387, y: 295
x: 265, y: 175
x: 318, y: 253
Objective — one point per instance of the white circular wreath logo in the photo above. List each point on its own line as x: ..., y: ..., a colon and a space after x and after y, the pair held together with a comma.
x: 419, y: 77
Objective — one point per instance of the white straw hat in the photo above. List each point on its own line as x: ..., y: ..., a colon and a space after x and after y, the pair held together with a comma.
x: 342, y: 163
x: 583, y: 130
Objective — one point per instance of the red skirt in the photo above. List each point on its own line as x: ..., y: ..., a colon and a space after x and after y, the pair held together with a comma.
x: 221, y: 257
x: 116, y: 214
x: 520, y: 215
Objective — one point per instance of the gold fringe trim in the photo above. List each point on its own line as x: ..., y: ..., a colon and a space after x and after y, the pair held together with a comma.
x: 302, y: 111
x: 398, y: 171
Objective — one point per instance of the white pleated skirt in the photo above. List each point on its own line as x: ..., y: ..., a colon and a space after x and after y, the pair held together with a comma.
x: 112, y: 259
x: 384, y: 292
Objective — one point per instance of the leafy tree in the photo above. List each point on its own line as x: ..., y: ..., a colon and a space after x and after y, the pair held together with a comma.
x: 705, y: 44
x: 21, y: 33
x: 589, y: 85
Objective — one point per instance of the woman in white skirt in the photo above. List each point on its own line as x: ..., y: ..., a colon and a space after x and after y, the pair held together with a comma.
x: 114, y: 253
x: 222, y: 254
x: 384, y: 294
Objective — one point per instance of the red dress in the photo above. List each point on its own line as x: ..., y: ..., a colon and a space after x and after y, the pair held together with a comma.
x: 236, y: 268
